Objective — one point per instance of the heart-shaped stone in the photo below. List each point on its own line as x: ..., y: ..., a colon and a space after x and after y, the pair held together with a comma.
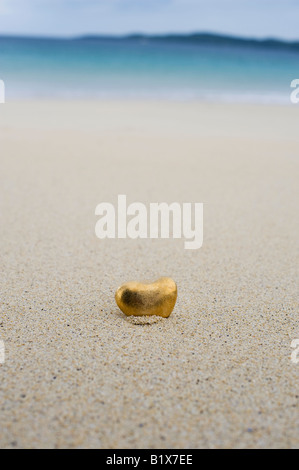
x: 156, y: 298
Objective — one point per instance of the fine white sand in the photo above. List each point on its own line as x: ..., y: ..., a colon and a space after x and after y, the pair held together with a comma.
x: 218, y: 371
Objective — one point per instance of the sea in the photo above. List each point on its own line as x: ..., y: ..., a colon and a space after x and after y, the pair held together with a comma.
x: 204, y: 67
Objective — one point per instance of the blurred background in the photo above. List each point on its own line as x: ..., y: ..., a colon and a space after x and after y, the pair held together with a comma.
x: 213, y: 50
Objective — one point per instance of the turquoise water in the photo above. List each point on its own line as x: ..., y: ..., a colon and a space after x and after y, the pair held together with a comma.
x: 208, y: 68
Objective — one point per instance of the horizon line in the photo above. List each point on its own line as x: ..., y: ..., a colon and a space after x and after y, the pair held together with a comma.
x: 169, y: 35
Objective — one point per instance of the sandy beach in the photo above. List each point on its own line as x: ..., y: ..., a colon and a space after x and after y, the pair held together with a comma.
x: 217, y: 373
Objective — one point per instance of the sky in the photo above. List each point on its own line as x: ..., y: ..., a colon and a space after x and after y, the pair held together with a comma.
x: 249, y: 18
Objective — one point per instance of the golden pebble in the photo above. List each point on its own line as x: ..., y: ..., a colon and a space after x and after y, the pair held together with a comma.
x: 156, y: 298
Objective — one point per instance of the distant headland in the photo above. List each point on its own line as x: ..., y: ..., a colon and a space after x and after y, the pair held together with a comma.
x: 192, y: 38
